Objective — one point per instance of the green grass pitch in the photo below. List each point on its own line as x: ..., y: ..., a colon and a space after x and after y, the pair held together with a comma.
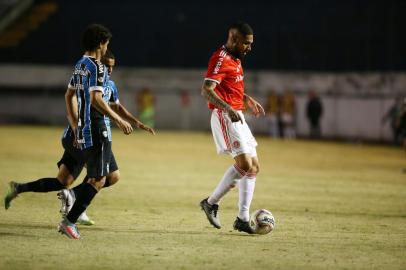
x: 337, y: 206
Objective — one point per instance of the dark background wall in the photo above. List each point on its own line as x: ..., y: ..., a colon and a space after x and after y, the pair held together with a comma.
x: 289, y: 35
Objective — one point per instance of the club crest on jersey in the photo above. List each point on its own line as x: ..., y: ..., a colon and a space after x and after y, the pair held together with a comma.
x: 107, y: 92
x: 236, y: 144
x: 100, y: 79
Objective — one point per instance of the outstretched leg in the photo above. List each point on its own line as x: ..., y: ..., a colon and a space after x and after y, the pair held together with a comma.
x: 63, y: 179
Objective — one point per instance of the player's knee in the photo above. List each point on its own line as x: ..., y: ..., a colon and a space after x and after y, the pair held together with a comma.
x: 64, y: 176
x: 97, y: 183
x: 113, y: 178
x: 245, y: 165
x: 65, y: 181
x: 255, y: 168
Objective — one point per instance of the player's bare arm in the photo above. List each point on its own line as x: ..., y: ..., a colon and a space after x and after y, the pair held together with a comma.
x: 72, y: 112
x: 96, y: 99
x: 254, y: 106
x: 209, y: 93
x: 71, y: 108
x: 125, y: 114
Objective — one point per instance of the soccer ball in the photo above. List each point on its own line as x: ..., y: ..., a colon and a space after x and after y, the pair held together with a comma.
x: 262, y: 221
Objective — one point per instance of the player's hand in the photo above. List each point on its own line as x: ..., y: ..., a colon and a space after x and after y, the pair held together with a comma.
x: 147, y: 128
x: 255, y: 107
x: 76, y: 144
x: 235, y: 117
x: 125, y: 126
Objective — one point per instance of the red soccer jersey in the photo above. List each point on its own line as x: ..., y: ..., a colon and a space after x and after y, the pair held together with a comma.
x: 226, y: 71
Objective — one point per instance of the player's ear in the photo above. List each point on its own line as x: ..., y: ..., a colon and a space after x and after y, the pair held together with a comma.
x: 233, y: 36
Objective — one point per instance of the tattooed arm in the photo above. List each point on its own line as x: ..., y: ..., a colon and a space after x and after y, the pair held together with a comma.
x: 209, y: 93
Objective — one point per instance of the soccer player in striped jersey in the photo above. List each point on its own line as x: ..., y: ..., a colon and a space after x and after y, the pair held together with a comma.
x: 111, y: 96
x: 72, y: 160
x: 91, y: 124
x: 224, y: 90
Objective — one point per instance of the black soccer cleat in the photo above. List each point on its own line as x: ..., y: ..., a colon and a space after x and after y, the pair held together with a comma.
x: 242, y: 226
x: 211, y: 213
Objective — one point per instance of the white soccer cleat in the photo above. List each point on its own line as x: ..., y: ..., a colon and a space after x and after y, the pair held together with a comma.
x: 69, y: 229
x: 85, y: 220
x: 67, y: 198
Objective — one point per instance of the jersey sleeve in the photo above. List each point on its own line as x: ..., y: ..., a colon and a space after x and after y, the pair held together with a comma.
x: 114, y: 93
x: 71, y: 84
x: 96, y: 77
x: 217, y: 68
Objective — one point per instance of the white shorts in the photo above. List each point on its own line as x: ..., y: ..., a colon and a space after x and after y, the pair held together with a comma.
x: 232, y: 138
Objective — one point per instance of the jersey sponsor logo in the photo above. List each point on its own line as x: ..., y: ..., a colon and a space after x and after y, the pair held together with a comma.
x: 100, y: 79
x: 239, y: 78
x: 101, y: 66
x: 80, y: 72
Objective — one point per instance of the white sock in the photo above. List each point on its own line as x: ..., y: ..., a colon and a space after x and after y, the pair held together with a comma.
x: 229, y: 180
x: 246, y: 186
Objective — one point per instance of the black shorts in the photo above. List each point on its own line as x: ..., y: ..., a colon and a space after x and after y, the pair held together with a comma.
x: 72, y: 157
x: 99, y: 158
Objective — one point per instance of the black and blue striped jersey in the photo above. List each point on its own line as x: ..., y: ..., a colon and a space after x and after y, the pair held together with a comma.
x: 110, y: 96
x: 89, y: 75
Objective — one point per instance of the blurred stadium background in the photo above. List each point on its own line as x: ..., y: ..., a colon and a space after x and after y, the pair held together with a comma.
x: 350, y: 52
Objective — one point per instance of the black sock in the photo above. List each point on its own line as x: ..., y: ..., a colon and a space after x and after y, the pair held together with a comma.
x: 77, y: 189
x: 40, y: 185
x: 86, y: 195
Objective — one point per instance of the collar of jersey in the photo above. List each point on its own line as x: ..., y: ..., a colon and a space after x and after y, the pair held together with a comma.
x: 88, y: 56
x: 230, y: 53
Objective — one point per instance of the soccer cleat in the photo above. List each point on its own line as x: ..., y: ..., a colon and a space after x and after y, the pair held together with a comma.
x: 85, y: 220
x: 69, y: 229
x: 242, y: 226
x: 211, y: 213
x: 67, y: 198
x: 11, y: 194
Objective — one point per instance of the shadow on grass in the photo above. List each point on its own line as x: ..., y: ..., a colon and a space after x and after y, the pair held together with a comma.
x: 160, y: 231
x: 11, y: 234
x: 14, y: 229
x: 115, y: 229
x: 27, y: 226
x: 344, y: 214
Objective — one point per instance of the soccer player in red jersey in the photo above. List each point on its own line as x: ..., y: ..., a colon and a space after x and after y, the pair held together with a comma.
x: 224, y: 90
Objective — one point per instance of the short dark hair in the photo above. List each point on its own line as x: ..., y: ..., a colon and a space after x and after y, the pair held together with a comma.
x: 242, y: 27
x: 109, y: 55
x: 94, y: 35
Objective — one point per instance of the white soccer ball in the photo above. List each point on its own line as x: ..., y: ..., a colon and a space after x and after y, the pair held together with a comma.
x: 262, y: 221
